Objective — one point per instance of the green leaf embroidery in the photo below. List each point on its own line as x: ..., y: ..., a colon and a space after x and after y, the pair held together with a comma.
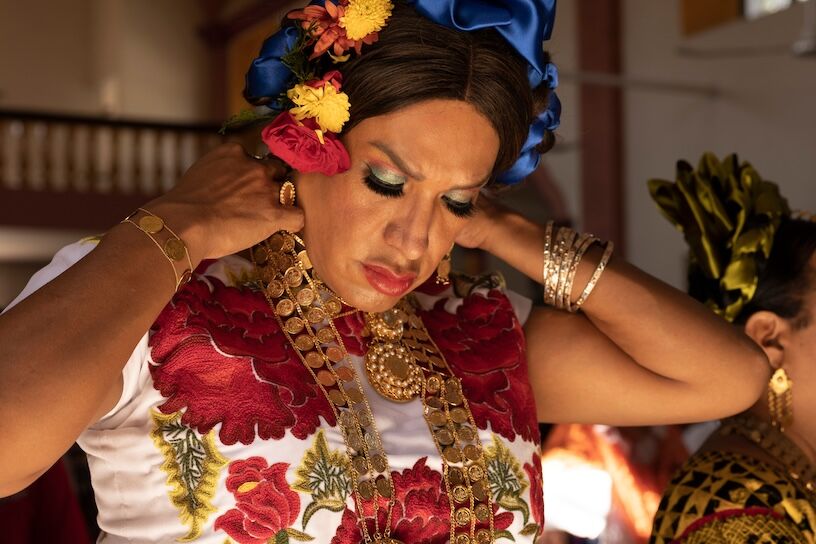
x: 505, y: 534
x: 530, y: 529
x: 297, y: 535
x: 192, y: 464
x: 322, y: 474
x: 507, y: 480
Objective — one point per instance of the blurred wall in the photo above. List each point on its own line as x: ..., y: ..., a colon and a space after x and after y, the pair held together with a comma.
x: 564, y: 160
x: 132, y: 59
x: 145, y: 59
x: 764, y: 111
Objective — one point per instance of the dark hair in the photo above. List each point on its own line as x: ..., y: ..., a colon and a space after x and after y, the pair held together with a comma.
x: 783, y: 278
x: 416, y: 59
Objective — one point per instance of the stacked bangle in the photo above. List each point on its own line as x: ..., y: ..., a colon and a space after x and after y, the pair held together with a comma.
x: 168, y: 242
x: 563, y: 251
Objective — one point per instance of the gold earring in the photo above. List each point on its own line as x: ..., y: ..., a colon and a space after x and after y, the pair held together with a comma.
x: 287, y: 194
x: 780, y: 399
x: 443, y: 270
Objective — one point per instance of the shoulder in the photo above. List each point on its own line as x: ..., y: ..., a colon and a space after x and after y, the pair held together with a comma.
x: 719, y: 493
x: 64, y: 259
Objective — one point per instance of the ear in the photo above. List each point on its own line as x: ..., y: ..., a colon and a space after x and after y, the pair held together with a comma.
x: 771, y: 333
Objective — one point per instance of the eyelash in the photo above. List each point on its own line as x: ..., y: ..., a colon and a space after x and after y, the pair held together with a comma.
x: 459, y: 209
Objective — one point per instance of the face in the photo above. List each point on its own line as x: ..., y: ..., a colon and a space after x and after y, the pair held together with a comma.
x: 377, y: 231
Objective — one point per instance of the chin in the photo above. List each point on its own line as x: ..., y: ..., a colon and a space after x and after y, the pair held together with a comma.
x: 368, y: 299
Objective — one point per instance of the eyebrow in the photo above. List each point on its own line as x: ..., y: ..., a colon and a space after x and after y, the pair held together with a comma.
x: 397, y: 160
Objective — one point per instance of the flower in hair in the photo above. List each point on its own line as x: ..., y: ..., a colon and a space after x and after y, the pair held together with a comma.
x: 304, y: 147
x: 322, y: 101
x: 326, y: 26
x: 365, y: 17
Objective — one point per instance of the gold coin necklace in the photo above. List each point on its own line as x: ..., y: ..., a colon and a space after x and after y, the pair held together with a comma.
x: 402, y: 363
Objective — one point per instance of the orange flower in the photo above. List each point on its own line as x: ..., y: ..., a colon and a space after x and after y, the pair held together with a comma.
x: 324, y: 24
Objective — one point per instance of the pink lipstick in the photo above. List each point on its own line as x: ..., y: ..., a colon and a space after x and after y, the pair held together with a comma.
x: 386, y: 281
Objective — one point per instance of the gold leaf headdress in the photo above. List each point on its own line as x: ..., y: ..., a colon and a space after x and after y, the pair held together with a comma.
x: 729, y: 216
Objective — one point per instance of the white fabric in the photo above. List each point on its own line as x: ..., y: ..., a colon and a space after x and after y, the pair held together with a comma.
x: 131, y: 490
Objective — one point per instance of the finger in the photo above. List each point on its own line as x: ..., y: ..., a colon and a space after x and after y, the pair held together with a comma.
x: 276, y: 169
x: 291, y: 219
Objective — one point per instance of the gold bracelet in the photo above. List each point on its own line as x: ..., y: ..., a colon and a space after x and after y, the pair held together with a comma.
x: 567, y: 255
x: 551, y: 287
x: 582, y: 244
x: 168, y: 242
x: 545, y: 277
x: 607, y: 254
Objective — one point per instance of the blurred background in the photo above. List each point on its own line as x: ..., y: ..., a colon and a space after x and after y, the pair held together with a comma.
x: 104, y: 103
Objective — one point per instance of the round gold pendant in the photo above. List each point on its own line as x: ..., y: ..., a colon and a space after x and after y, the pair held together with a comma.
x: 392, y: 371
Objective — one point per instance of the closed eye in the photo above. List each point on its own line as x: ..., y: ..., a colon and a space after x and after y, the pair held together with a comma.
x: 390, y: 185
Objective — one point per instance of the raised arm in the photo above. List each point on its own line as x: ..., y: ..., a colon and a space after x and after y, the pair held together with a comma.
x: 63, y: 348
x: 640, y: 352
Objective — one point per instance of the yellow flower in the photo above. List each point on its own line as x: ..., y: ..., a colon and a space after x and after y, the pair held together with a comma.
x: 325, y: 105
x: 362, y: 17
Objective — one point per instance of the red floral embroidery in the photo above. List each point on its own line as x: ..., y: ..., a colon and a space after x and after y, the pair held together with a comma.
x: 350, y: 328
x: 484, y: 345
x: 219, y: 353
x: 421, y: 513
x: 536, y: 489
x: 265, y: 505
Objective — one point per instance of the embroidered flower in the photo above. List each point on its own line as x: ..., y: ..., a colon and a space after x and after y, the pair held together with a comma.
x: 324, y: 104
x: 421, y: 512
x: 484, y: 345
x: 218, y: 354
x: 364, y: 17
x: 303, y: 148
x: 265, y: 506
x: 533, y: 471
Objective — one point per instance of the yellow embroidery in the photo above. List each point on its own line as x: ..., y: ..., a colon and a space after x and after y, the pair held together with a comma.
x: 507, y: 479
x: 192, y: 464
x: 323, y: 475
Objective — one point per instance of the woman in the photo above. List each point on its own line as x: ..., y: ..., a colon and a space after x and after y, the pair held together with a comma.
x: 335, y: 396
x: 753, y: 263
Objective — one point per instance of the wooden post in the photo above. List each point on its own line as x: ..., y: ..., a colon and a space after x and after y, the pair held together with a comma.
x: 602, y: 148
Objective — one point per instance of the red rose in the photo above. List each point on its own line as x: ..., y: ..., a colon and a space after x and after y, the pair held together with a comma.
x: 536, y: 489
x: 297, y: 144
x: 265, y: 505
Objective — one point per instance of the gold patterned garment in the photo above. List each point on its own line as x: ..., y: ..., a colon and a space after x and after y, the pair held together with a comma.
x: 728, y: 498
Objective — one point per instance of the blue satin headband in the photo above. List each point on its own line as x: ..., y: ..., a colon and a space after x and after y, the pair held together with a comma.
x: 525, y: 24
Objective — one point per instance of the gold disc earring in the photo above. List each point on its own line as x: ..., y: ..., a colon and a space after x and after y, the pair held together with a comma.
x: 287, y: 194
x: 780, y: 399
x: 443, y: 270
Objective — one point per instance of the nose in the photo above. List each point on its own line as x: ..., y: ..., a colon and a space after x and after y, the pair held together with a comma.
x: 408, y: 231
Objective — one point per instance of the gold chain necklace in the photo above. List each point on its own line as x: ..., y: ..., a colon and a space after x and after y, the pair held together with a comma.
x: 796, y: 464
x: 402, y: 363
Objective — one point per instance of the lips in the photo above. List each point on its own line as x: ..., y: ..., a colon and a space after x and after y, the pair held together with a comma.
x: 386, y: 281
